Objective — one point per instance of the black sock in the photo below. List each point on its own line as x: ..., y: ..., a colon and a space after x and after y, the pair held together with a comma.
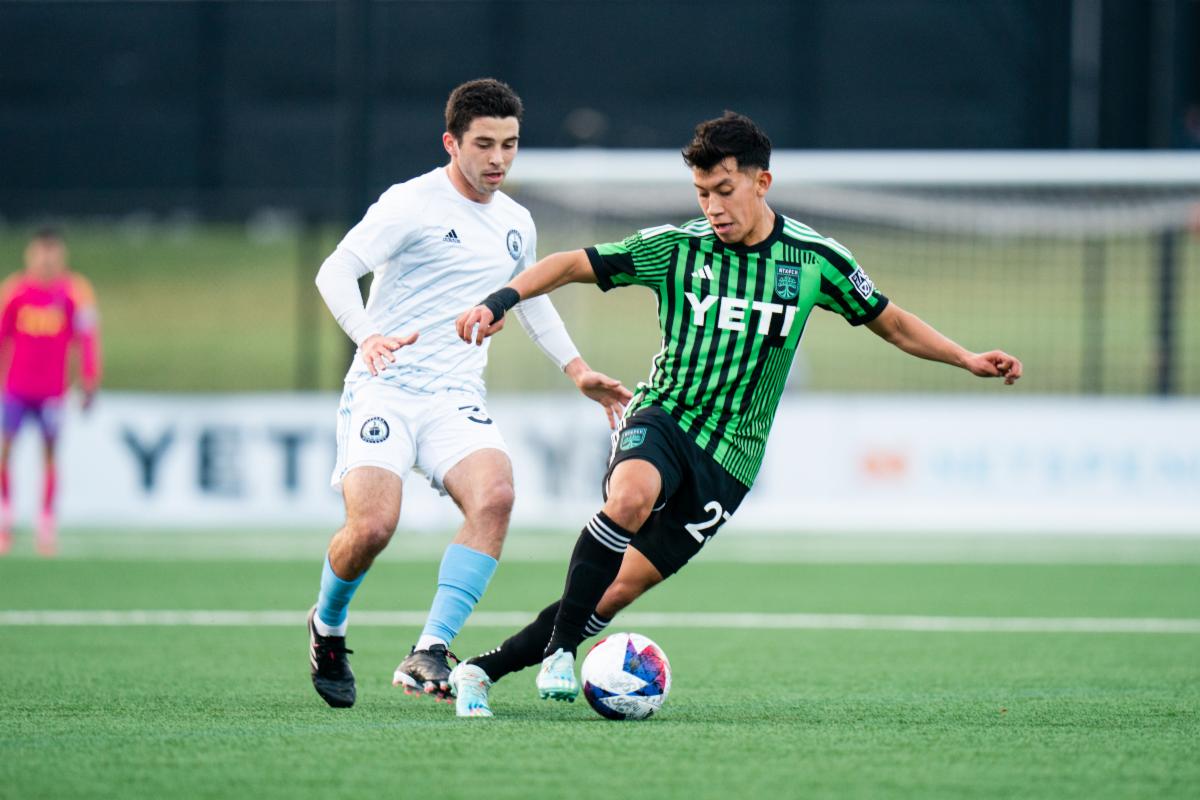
x: 594, y: 565
x: 522, y: 649
x: 595, y: 625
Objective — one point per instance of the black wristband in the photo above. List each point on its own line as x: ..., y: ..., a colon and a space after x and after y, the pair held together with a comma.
x: 500, y: 301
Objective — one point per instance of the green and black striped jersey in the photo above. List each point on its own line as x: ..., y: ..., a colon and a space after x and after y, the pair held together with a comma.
x: 731, y: 317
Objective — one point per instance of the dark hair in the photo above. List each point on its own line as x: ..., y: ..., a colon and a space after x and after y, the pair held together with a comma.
x: 485, y: 97
x: 47, y: 235
x: 731, y: 134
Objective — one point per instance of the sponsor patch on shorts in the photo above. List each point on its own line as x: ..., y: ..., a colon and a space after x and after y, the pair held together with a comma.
x: 632, y: 437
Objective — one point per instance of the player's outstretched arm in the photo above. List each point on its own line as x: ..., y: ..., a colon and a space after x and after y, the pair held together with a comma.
x: 608, y: 392
x: 545, y: 327
x: 916, y: 337
x: 545, y: 276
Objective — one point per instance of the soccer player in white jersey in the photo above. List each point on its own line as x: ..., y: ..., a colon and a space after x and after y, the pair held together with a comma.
x: 414, y: 394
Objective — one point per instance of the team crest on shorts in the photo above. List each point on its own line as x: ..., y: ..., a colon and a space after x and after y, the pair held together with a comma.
x: 514, y: 242
x: 787, y: 282
x: 632, y: 437
x: 374, y: 430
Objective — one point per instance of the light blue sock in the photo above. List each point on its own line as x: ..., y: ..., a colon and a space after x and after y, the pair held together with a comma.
x: 462, y: 580
x: 334, y: 597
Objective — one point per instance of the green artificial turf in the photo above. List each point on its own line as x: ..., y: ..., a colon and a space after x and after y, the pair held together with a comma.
x: 208, y: 712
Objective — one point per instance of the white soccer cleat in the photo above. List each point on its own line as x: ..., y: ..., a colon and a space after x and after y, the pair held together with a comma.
x: 470, y: 685
x: 556, y: 679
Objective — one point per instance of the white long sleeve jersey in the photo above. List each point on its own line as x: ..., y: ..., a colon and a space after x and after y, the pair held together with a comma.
x: 435, y: 254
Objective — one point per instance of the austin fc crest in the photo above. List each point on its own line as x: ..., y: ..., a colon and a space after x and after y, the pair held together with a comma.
x: 787, y: 282
x: 374, y: 430
x: 513, y: 240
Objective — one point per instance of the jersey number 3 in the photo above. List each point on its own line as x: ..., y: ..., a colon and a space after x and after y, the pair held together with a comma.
x: 476, y: 414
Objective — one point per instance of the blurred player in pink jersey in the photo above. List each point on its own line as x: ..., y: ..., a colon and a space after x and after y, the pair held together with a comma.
x: 46, y: 309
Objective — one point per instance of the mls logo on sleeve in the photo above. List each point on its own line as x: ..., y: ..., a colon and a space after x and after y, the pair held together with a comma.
x: 787, y: 282
x: 862, y: 283
x: 631, y: 438
x: 374, y: 430
x: 513, y: 240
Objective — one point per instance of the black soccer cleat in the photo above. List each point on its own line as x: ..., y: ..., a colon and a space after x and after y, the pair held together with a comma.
x: 426, y: 671
x: 331, y: 674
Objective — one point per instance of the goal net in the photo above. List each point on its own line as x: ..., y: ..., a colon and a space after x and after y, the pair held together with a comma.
x: 1086, y: 266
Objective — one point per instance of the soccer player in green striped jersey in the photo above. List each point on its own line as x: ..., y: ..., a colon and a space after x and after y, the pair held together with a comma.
x: 734, y: 288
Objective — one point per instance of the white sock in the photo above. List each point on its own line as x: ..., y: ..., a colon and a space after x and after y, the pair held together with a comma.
x: 327, y: 630
x: 426, y: 641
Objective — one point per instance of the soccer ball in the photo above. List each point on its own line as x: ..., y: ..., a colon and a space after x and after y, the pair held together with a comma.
x: 626, y: 676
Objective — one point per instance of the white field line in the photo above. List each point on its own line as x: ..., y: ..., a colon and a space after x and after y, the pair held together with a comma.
x: 631, y: 620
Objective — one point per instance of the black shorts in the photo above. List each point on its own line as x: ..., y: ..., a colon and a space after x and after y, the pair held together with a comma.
x: 698, y: 495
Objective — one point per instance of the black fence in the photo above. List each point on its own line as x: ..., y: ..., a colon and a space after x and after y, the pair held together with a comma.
x: 315, y: 105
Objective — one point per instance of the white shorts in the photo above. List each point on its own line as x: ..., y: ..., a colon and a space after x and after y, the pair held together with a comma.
x: 383, y: 425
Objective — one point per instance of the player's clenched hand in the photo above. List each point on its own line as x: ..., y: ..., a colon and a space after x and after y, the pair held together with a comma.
x: 476, y: 325
x: 377, y: 349
x: 608, y: 392
x: 995, y: 364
